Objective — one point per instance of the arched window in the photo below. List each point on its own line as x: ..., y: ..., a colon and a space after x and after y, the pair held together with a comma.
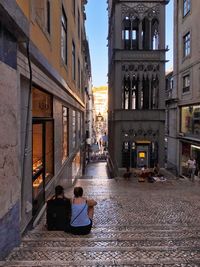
x: 135, y: 33
x: 145, y: 35
x: 134, y: 94
x: 126, y: 92
x: 130, y: 32
x: 146, y: 93
x: 126, y: 32
x: 155, y: 35
x: 154, y: 92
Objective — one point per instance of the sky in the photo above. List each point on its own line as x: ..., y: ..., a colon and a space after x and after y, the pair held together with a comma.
x: 97, y: 32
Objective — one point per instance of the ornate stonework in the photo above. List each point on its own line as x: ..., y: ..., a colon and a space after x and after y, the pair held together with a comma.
x: 141, y: 10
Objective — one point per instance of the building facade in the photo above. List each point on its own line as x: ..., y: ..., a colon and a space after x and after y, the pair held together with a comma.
x: 186, y: 88
x: 100, y: 95
x: 170, y: 123
x: 136, y: 79
x: 44, y: 73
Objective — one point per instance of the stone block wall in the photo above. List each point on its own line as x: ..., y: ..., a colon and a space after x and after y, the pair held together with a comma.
x: 9, y: 160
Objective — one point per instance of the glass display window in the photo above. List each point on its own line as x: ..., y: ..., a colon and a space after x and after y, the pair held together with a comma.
x: 190, y: 120
x: 37, y: 149
x: 49, y: 151
x: 76, y: 164
x: 42, y: 146
x: 73, y: 128
x: 186, y: 148
x: 65, y: 133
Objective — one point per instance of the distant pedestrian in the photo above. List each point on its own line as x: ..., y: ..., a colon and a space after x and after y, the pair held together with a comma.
x: 191, y: 168
x: 82, y: 213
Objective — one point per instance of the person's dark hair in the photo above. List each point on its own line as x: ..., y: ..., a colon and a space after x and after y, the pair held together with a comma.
x: 78, y: 191
x: 59, y: 190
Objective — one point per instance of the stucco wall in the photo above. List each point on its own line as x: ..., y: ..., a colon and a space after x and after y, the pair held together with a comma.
x: 9, y: 160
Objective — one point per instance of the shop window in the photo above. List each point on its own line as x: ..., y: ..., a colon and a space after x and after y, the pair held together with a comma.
x: 64, y: 36
x: 49, y: 142
x: 190, y: 120
x: 186, y: 83
x: 186, y: 7
x: 79, y: 126
x: 42, y: 145
x: 76, y: 165
x: 65, y: 133
x: 73, y: 129
x: 186, y: 44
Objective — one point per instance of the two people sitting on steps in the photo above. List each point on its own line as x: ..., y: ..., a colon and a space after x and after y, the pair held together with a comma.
x: 74, y: 215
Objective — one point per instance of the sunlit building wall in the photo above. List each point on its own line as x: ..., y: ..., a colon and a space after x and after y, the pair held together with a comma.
x: 45, y: 68
x: 186, y: 88
x: 100, y: 95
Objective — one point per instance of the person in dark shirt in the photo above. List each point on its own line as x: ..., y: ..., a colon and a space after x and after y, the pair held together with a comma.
x: 58, y: 211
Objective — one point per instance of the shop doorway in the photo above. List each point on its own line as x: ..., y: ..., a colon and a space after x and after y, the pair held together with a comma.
x: 142, y: 156
x: 42, y: 160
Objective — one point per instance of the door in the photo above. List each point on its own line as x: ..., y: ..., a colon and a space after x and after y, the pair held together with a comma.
x: 142, y: 156
x: 38, y: 166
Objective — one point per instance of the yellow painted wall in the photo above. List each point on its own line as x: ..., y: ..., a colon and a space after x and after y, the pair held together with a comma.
x: 24, y: 5
x: 50, y: 44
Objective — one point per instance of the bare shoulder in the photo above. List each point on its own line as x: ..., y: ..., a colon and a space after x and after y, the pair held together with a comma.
x: 91, y: 202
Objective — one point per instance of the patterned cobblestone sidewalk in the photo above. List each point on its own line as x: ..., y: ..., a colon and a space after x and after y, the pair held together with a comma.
x: 149, y: 225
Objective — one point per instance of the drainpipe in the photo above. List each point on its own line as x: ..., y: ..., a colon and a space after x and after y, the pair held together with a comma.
x: 26, y: 126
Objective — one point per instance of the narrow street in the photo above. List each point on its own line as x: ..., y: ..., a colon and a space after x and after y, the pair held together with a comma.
x: 135, y: 224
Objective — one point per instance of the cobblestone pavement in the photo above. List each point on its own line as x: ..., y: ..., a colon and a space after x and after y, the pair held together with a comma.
x: 135, y: 224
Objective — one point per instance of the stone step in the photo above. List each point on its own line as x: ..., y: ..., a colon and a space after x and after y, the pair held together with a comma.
x: 90, y: 263
x: 154, y: 256
x: 112, y: 242
x: 119, y: 246
x: 134, y: 227
x: 114, y: 234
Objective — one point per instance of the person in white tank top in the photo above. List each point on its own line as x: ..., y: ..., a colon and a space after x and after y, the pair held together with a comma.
x: 82, y: 213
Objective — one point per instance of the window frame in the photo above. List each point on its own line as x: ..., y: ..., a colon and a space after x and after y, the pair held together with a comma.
x: 48, y: 16
x: 65, y: 123
x: 186, y: 7
x: 185, y: 85
x: 73, y: 61
x: 187, y: 44
x: 64, y: 48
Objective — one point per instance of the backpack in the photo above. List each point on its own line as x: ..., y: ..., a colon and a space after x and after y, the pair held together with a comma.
x: 58, y: 214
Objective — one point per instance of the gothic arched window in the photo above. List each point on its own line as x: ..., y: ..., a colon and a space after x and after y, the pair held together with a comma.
x: 130, y: 32
x: 154, y: 93
x: 155, y: 34
x: 126, y: 92
x: 145, y: 34
x: 126, y: 32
